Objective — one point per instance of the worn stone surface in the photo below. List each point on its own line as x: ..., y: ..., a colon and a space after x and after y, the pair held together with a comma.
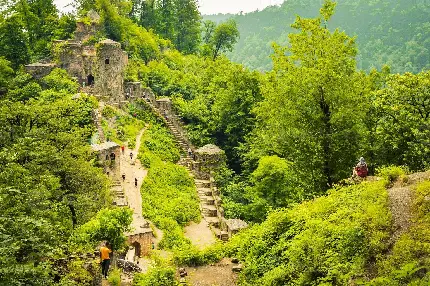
x: 111, y: 62
x: 109, y: 155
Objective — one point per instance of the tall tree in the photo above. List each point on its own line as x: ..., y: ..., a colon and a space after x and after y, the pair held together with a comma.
x: 187, y: 26
x: 312, y: 113
x: 13, y: 41
x: 224, y: 37
x: 165, y: 18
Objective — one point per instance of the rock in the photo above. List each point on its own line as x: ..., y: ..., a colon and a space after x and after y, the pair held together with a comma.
x: 237, y: 268
x: 234, y: 260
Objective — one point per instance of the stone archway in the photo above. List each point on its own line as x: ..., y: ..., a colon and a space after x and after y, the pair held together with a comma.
x: 90, y: 79
x: 137, y: 249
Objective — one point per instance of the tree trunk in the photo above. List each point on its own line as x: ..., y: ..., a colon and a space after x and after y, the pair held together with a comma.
x: 74, y: 218
x: 325, y: 108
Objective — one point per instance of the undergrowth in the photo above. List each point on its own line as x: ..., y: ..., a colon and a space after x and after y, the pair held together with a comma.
x: 327, y: 241
x: 409, y: 262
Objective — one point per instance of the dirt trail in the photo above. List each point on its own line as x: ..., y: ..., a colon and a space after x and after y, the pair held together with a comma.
x: 400, y: 199
x: 200, y: 234
x: 220, y: 274
x: 133, y: 169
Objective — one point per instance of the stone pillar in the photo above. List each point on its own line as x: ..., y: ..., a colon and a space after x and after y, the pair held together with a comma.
x: 208, y: 159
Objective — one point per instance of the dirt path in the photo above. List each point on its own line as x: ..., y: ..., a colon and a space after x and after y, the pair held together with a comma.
x: 133, y: 169
x: 200, y: 234
x: 400, y: 206
x: 220, y: 274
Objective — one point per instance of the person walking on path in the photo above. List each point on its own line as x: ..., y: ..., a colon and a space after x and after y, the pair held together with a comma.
x: 105, y: 258
x: 123, y: 177
x: 131, y: 155
x: 122, y: 149
x: 135, y: 182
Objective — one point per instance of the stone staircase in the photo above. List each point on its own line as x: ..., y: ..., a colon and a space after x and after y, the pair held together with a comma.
x: 210, y: 202
x: 97, y: 118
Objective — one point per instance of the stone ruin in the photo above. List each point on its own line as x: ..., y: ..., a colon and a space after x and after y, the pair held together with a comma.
x: 98, y: 67
x: 109, y: 155
x: 207, y: 160
x: 140, y: 239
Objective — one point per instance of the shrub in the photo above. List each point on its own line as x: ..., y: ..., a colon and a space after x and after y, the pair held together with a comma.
x: 161, y: 275
x: 327, y: 241
x: 159, y: 142
x: 115, y: 278
x: 408, y: 263
x: 392, y: 173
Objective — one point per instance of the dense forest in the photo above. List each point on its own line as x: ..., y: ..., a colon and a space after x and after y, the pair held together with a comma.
x: 388, y: 32
x: 291, y: 136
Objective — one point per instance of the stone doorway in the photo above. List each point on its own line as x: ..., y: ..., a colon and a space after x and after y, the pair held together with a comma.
x: 137, y: 249
x: 90, y: 79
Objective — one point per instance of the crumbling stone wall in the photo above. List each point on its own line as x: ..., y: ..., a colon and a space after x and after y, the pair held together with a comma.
x: 39, y: 70
x: 109, y: 155
x: 144, y: 240
x: 111, y: 64
x: 133, y: 90
x: 207, y: 159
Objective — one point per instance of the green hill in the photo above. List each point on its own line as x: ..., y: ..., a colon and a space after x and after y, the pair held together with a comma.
x: 396, y: 33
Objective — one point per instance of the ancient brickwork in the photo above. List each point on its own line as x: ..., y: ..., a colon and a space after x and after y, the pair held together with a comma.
x: 111, y: 64
x: 109, y: 157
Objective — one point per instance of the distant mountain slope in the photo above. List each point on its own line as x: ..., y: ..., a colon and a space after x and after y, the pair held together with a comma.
x: 388, y: 32
x: 217, y: 18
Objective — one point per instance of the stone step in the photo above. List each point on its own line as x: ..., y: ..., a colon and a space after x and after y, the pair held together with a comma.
x: 203, y: 185
x: 209, y: 210
x: 223, y: 236
x: 206, y: 191
x: 213, y: 221
x: 209, y: 200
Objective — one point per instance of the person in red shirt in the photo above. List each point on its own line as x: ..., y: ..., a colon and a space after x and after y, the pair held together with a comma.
x: 361, y: 169
x: 105, y: 258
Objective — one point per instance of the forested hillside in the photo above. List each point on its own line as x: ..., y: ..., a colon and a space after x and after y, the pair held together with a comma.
x: 291, y: 135
x: 388, y: 32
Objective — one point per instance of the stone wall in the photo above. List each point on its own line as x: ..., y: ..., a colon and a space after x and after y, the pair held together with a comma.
x: 39, y: 70
x: 207, y: 160
x: 111, y: 64
x: 133, y: 90
x: 109, y: 155
x: 145, y: 242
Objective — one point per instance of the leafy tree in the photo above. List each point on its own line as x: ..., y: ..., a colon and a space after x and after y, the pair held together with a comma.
x: 187, y: 26
x: 13, y: 42
x: 311, y: 114
x: 165, y: 11
x: 224, y: 37
x: 109, y: 225
x: 403, y: 121
x: 6, y: 73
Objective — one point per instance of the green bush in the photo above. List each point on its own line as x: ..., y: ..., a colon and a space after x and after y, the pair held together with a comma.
x: 115, y: 277
x: 327, y: 241
x: 191, y: 256
x: 392, y: 173
x: 158, y: 276
x: 159, y: 142
x: 108, y: 112
x: 409, y: 261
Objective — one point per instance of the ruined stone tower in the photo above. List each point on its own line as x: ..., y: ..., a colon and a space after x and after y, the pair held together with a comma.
x: 99, y: 68
x: 111, y: 62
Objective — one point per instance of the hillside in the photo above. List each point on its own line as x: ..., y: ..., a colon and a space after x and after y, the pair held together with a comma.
x: 394, y: 33
x: 121, y: 126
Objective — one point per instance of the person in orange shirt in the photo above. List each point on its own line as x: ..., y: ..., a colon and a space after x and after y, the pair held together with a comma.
x: 105, y: 259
